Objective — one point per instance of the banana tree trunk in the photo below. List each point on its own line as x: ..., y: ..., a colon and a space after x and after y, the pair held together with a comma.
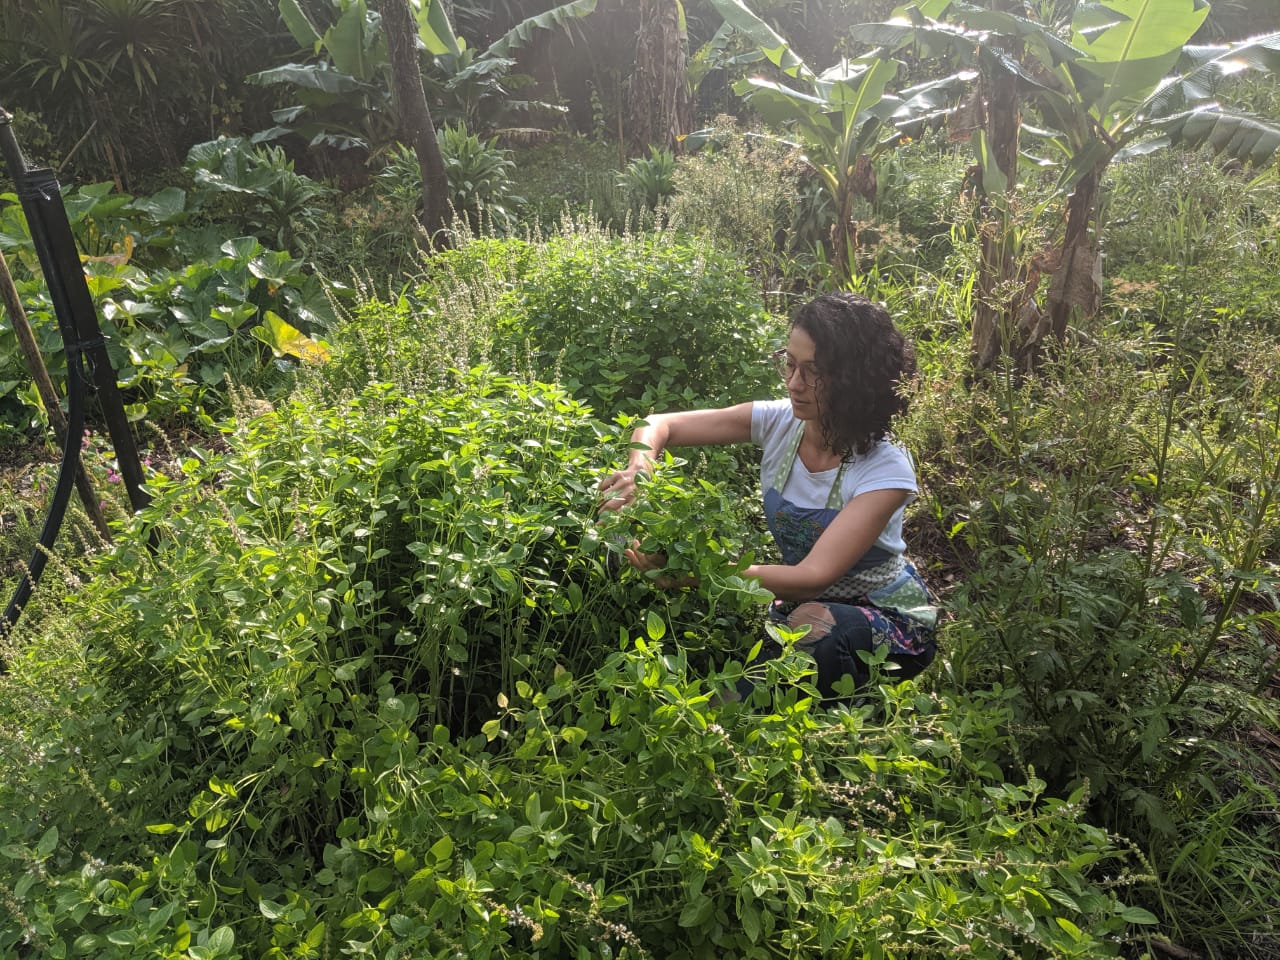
x: 415, y: 116
x: 996, y: 269
x: 661, y: 108
x: 860, y: 181
x: 1000, y: 284
x: 1074, y: 290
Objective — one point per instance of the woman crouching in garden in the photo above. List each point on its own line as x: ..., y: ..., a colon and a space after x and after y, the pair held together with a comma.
x: 835, y: 488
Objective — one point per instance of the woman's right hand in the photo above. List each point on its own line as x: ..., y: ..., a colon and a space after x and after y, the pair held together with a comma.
x: 618, y: 489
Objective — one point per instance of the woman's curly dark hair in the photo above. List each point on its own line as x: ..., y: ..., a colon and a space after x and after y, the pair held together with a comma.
x: 861, y: 358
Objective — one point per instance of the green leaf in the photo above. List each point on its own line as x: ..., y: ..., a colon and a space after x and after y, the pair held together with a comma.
x: 1155, y: 730
x: 404, y: 861
x: 345, y: 42
x: 655, y: 626
x: 435, y: 30
x: 994, y: 181
x: 223, y: 787
x: 284, y: 339
x: 442, y: 849
x: 271, y: 910
x: 299, y: 25
x: 858, y: 87
x: 764, y: 37
x: 1137, y: 29
x: 523, y: 32
x: 1138, y: 915
x: 164, y: 207
x: 1072, y: 930
x: 697, y: 911
x: 1138, y: 47
x: 47, y: 842
x: 242, y: 249
x: 1238, y: 135
x: 377, y: 880
x: 222, y: 939
x: 308, y: 76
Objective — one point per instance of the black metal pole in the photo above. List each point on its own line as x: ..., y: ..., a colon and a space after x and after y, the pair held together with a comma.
x: 41, y: 199
x: 60, y: 261
x: 75, y: 421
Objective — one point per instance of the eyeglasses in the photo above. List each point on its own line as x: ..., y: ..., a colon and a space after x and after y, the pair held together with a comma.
x: 787, y: 368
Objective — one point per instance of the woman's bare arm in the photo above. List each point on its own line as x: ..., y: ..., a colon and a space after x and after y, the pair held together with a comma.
x: 685, y: 428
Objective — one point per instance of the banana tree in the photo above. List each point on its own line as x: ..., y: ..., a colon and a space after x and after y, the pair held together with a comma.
x: 838, y: 115
x: 471, y: 83
x: 345, y: 92
x: 1126, y: 81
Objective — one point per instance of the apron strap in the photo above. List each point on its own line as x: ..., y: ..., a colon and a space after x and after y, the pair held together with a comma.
x: 835, y: 499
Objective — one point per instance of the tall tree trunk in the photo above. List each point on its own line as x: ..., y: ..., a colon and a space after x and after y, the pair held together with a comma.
x: 661, y: 108
x: 416, y: 124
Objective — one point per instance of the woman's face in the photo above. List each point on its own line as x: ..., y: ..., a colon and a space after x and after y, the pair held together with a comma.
x: 803, y: 385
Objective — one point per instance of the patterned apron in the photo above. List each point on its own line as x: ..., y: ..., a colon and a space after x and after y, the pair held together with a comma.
x: 884, y: 585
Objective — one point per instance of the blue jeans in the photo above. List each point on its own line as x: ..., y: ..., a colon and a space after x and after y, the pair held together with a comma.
x: 838, y: 631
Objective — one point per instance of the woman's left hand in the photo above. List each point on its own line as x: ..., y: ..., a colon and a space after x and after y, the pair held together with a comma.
x: 645, y: 562
x: 617, y: 490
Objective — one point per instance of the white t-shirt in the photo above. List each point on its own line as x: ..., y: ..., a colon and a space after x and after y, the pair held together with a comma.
x: 885, y: 467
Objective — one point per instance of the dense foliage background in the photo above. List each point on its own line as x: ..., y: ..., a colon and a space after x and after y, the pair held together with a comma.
x: 368, y: 678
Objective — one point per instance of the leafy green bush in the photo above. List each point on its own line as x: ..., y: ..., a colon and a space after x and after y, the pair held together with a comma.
x: 1110, y: 529
x: 648, y: 180
x: 637, y: 322
x: 481, y: 189
x: 555, y: 177
x: 183, y: 306
x: 739, y: 191
x: 625, y: 323
x: 258, y: 187
x: 433, y: 331
x: 375, y: 693
x: 1176, y: 208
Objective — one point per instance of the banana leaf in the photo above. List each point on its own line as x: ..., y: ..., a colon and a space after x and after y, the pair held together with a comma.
x: 1241, y: 136
x: 1132, y: 55
x: 523, y: 32
x: 309, y: 76
x: 1203, y: 66
x: 436, y: 31
x: 737, y: 15
x: 300, y: 26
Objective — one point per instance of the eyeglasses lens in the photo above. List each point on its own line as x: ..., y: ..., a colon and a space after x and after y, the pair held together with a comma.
x: 787, y: 369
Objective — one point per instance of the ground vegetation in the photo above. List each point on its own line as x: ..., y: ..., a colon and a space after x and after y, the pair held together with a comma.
x: 368, y: 679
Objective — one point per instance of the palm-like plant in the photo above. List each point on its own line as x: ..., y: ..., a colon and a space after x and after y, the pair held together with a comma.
x: 123, y: 71
x: 345, y: 92
x: 54, y: 48
x: 1113, y: 78
x: 843, y: 117
x: 134, y: 38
